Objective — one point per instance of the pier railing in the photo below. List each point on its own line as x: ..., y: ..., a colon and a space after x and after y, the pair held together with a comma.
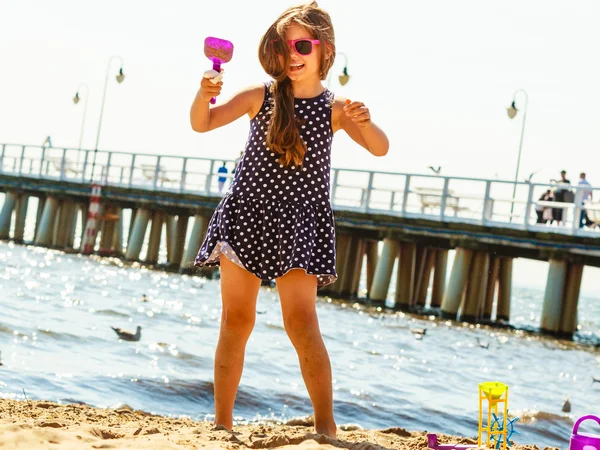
x: 486, y: 202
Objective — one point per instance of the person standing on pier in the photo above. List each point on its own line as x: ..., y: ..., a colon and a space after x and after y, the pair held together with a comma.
x: 561, y: 194
x: 276, y: 220
x: 584, y: 220
x: 544, y: 214
x: 222, y: 171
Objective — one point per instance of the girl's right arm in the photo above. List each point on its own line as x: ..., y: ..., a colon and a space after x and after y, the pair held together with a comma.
x: 203, y: 118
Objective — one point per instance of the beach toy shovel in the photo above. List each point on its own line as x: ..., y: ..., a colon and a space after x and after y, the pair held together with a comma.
x: 432, y: 443
x: 584, y: 441
x: 219, y: 51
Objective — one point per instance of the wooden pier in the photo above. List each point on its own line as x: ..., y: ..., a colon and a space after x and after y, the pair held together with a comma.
x: 385, y: 221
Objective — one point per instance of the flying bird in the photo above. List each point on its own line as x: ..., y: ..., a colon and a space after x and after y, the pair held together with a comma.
x: 128, y: 335
x: 436, y: 170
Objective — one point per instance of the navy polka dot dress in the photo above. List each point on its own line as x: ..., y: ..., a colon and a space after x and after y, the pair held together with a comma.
x: 276, y: 218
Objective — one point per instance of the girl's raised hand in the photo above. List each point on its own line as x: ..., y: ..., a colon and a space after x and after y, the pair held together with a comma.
x: 210, y: 87
x: 358, y: 113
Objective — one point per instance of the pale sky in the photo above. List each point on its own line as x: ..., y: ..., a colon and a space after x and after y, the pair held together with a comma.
x: 436, y: 74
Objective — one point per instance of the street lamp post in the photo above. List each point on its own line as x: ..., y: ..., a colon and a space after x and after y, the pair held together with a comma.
x: 512, y: 112
x: 119, y: 77
x: 344, y: 77
x: 76, y: 100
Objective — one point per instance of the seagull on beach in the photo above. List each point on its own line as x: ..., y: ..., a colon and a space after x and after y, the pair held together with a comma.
x: 567, y: 406
x: 128, y: 335
x: 483, y: 344
x: 418, y: 333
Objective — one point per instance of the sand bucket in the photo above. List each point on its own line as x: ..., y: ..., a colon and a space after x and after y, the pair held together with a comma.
x: 584, y: 441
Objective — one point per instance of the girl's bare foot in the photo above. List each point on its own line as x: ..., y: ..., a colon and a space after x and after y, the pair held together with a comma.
x: 329, y: 431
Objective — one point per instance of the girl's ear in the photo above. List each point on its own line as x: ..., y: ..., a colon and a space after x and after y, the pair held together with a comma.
x: 327, y: 58
x: 328, y: 51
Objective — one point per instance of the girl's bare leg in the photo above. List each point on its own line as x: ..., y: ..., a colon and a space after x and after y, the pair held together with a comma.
x: 298, y: 294
x: 239, y: 289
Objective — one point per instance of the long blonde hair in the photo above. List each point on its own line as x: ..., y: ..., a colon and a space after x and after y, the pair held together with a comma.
x: 283, y: 137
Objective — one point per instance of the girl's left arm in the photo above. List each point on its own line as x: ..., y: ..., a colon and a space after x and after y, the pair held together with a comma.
x: 355, y: 119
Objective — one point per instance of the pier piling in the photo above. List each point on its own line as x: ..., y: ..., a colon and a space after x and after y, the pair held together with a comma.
x: 47, y: 222
x: 405, y: 278
x: 457, y: 284
x: 155, y: 235
x: 10, y: 202
x: 383, y: 271
x: 136, y: 239
x: 504, y: 290
x: 439, y: 277
x: 20, y: 218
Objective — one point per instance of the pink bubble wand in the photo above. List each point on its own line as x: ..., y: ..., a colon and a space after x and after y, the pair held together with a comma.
x: 219, y: 51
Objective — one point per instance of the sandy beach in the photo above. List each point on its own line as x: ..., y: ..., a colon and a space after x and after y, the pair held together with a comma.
x: 47, y: 425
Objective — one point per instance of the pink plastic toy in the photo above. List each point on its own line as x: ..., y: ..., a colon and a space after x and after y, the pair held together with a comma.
x: 432, y: 443
x: 584, y: 441
x: 219, y: 51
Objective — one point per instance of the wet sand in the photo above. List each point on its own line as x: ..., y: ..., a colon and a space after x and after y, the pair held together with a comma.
x: 36, y: 425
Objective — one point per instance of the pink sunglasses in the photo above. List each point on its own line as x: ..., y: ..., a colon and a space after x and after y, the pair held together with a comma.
x: 302, y: 47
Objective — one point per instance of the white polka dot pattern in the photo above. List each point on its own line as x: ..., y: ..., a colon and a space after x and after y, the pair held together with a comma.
x: 276, y: 218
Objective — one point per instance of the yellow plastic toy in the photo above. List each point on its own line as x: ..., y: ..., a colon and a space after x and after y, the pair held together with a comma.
x: 498, y: 428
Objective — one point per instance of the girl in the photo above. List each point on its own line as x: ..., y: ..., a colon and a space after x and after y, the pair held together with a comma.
x: 275, y: 221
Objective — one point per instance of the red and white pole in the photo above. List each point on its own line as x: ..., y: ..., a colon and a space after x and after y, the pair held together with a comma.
x: 91, y: 227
